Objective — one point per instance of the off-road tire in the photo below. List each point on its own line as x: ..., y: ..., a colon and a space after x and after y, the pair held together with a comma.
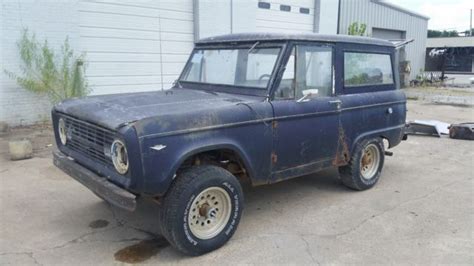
x: 177, y: 204
x: 351, y: 175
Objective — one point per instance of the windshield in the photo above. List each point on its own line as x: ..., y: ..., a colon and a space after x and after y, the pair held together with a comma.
x: 239, y: 67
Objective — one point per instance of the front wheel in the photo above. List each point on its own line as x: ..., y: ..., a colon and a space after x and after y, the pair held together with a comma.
x: 202, y: 209
x: 365, y: 166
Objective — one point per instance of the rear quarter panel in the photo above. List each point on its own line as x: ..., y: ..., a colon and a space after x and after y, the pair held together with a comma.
x: 370, y: 111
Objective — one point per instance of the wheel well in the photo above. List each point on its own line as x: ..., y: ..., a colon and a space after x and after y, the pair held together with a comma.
x: 225, y: 158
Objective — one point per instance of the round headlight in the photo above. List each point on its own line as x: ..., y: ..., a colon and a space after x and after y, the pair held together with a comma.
x: 119, y: 155
x: 62, y: 130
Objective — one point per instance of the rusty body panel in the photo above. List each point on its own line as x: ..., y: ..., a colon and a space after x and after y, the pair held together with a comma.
x: 271, y: 140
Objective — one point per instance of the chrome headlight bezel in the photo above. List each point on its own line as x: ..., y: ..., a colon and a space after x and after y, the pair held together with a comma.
x: 119, y: 156
x: 62, y: 131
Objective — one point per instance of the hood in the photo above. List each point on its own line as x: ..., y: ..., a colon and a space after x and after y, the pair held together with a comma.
x: 112, y: 111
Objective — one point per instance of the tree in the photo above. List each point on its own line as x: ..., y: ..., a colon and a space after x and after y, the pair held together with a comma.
x: 59, y: 76
x: 444, y: 33
x: 356, y: 29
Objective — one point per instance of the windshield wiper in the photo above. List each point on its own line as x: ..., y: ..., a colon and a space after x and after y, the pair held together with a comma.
x: 253, y: 47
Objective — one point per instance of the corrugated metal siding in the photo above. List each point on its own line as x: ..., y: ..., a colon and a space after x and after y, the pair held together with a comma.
x: 381, y: 16
x: 122, y: 41
x: 275, y: 20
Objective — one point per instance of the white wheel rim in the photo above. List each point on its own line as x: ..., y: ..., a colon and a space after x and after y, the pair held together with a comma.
x: 369, y: 162
x: 209, y: 213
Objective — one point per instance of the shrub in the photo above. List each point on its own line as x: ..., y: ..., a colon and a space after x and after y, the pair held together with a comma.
x: 46, y: 72
x: 356, y: 29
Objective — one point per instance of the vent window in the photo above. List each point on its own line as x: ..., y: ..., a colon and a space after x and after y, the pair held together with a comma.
x: 304, y: 10
x: 285, y: 8
x: 264, y: 5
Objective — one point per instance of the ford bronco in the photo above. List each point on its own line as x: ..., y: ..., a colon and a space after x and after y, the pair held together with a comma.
x: 259, y: 108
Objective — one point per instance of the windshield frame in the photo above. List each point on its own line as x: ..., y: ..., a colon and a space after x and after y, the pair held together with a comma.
x: 231, y: 88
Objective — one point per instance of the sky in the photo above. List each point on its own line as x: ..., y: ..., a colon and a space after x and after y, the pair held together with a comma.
x: 444, y: 14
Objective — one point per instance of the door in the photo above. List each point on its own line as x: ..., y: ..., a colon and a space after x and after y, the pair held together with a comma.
x: 288, y: 16
x: 306, y: 127
x: 133, y: 47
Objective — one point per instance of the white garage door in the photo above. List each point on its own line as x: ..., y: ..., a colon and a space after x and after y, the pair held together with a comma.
x: 290, y: 16
x: 135, y: 46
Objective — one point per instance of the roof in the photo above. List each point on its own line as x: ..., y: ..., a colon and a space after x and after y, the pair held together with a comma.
x: 399, y: 8
x: 254, y: 37
x: 450, y: 42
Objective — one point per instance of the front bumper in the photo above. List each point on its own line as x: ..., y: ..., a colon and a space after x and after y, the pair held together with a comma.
x: 97, y: 184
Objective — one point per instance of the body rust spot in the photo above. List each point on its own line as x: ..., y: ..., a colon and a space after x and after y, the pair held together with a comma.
x: 141, y: 251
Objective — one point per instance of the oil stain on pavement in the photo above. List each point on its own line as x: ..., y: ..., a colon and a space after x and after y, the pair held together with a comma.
x: 141, y: 251
x: 98, y: 224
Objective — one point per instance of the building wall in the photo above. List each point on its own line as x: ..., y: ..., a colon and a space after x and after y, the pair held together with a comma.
x: 377, y: 15
x: 327, y: 16
x: 53, y: 20
x: 135, y: 46
x: 142, y: 45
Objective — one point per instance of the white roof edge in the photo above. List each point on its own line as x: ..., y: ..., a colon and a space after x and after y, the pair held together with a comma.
x: 399, y: 8
x: 440, y: 42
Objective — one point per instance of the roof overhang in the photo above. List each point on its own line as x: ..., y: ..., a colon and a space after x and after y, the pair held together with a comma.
x: 450, y: 42
x: 399, y: 8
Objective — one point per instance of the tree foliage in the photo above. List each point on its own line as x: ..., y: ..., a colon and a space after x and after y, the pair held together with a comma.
x: 444, y: 33
x: 59, y: 75
x: 357, y: 29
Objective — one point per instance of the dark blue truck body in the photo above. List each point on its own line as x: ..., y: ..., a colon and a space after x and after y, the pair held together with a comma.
x: 273, y: 139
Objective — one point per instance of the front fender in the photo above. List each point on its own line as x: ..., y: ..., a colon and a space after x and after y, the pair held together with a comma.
x: 160, y: 166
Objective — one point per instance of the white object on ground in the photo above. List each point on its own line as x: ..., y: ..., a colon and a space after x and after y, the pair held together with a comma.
x: 20, y: 149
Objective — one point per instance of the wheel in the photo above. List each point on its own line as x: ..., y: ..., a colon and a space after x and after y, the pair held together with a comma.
x: 201, y: 210
x: 365, y: 166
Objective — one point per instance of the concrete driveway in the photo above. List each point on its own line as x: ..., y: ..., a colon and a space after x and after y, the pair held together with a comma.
x: 421, y: 212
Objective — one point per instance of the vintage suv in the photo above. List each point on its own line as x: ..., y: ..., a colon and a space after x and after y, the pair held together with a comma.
x: 257, y: 107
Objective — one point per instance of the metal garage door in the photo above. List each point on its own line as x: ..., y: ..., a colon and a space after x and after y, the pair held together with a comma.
x: 387, y: 34
x: 285, y: 16
x: 134, y: 45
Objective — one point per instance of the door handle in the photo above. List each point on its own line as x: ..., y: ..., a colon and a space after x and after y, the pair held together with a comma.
x: 337, y: 103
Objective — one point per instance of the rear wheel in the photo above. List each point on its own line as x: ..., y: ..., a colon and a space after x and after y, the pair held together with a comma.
x: 202, y: 209
x: 365, y: 166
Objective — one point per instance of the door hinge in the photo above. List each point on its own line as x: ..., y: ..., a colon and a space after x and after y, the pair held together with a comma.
x: 274, y: 124
x: 274, y: 157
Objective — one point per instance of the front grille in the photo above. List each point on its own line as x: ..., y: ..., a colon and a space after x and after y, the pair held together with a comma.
x: 89, y: 140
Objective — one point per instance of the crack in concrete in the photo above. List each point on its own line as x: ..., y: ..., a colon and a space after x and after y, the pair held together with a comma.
x: 79, y: 238
x: 309, y: 251
x: 119, y: 223
x: 29, y: 254
x: 432, y: 192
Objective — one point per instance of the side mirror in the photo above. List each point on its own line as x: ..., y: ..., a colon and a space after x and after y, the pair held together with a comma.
x: 307, y: 94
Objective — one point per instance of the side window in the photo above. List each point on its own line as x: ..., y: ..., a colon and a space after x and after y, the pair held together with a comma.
x: 365, y: 69
x: 314, y: 71
x: 308, y: 71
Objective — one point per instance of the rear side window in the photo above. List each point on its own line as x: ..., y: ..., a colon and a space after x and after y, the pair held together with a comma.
x: 365, y: 69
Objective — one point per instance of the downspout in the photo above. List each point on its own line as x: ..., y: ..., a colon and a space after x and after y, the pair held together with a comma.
x: 317, y: 15
x: 231, y: 16
x: 161, y: 52
x: 338, y: 15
